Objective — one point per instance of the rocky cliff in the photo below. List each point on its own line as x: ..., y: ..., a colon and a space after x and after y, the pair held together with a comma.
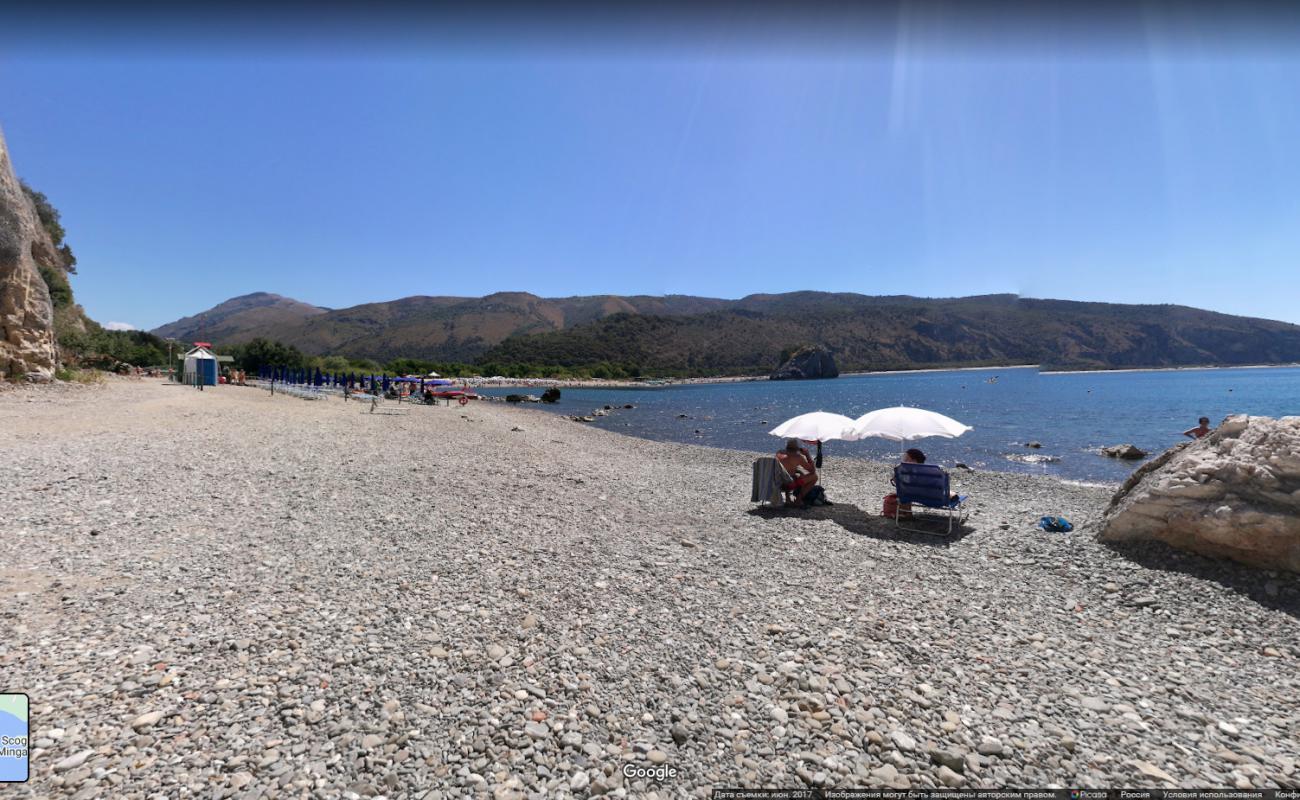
x: 807, y: 363
x: 27, y: 343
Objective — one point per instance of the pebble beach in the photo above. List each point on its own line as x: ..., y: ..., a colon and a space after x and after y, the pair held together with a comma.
x: 231, y: 594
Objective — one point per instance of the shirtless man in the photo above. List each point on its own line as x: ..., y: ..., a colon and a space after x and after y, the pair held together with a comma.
x: 800, y: 468
x: 1199, y: 431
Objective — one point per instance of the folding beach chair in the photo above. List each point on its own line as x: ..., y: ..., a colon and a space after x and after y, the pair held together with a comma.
x: 926, y: 486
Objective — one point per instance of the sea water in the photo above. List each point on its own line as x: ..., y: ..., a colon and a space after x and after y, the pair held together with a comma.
x: 1072, y: 415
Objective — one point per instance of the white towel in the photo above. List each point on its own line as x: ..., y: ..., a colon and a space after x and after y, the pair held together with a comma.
x: 769, y: 478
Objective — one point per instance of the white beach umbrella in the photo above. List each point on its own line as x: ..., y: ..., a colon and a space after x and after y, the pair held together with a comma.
x: 903, y: 424
x: 819, y: 426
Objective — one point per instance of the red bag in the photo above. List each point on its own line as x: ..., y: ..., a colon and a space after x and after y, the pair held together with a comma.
x: 891, y: 508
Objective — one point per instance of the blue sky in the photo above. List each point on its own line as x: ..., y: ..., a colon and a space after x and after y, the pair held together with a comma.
x: 1147, y: 159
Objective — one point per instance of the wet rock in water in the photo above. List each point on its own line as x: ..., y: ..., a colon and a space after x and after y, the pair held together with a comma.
x: 1233, y: 494
x: 551, y: 395
x: 807, y: 363
x: 1033, y: 458
x: 1034, y: 445
x: 960, y: 465
x: 1125, y: 451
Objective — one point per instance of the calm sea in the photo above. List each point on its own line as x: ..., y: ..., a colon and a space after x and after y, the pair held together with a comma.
x: 1072, y: 415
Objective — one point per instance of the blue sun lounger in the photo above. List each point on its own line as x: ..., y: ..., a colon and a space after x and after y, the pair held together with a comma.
x: 926, y: 486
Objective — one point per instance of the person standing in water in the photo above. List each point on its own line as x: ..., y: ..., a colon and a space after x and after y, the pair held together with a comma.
x: 1200, y: 430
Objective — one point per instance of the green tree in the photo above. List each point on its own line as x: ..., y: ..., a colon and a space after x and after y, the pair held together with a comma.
x: 333, y: 363
x: 57, y: 283
x: 261, y: 352
x: 52, y: 222
x: 410, y: 366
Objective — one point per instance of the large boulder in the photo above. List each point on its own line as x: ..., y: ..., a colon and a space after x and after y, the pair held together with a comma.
x: 27, y: 344
x: 806, y: 363
x: 1233, y: 494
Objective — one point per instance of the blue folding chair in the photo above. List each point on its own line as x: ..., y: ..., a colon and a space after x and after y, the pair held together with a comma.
x: 926, y: 485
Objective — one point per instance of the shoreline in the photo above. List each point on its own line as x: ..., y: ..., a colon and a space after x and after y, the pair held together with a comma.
x: 956, y: 471
x: 602, y: 383
x: 936, y: 369
x: 1168, y: 369
x: 597, y: 383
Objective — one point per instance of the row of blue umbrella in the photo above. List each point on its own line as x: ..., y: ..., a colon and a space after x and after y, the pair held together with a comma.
x: 314, y: 377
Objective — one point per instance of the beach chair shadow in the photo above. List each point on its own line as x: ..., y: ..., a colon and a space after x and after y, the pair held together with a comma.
x: 863, y: 523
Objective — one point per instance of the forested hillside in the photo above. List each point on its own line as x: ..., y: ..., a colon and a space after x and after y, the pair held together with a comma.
x: 683, y: 335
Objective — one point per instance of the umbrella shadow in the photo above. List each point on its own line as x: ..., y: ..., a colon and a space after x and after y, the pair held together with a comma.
x: 862, y: 523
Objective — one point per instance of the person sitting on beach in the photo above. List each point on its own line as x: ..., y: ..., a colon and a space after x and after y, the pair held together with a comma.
x: 802, y: 471
x: 1200, y: 430
x: 913, y: 456
x: 910, y: 456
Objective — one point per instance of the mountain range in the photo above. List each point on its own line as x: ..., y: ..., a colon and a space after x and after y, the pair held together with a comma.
x: 230, y: 321
x: 681, y: 334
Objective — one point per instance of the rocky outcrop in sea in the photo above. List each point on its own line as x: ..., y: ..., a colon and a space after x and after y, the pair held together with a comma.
x: 807, y: 363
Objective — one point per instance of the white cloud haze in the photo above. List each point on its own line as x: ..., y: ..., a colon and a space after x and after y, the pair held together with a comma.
x: 119, y: 326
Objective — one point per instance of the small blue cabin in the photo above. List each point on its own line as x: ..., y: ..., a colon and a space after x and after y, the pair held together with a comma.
x: 200, y: 367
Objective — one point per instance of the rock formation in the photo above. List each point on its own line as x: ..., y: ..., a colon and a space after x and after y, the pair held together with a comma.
x: 27, y: 344
x: 807, y: 362
x: 1129, y: 452
x: 1234, y: 494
